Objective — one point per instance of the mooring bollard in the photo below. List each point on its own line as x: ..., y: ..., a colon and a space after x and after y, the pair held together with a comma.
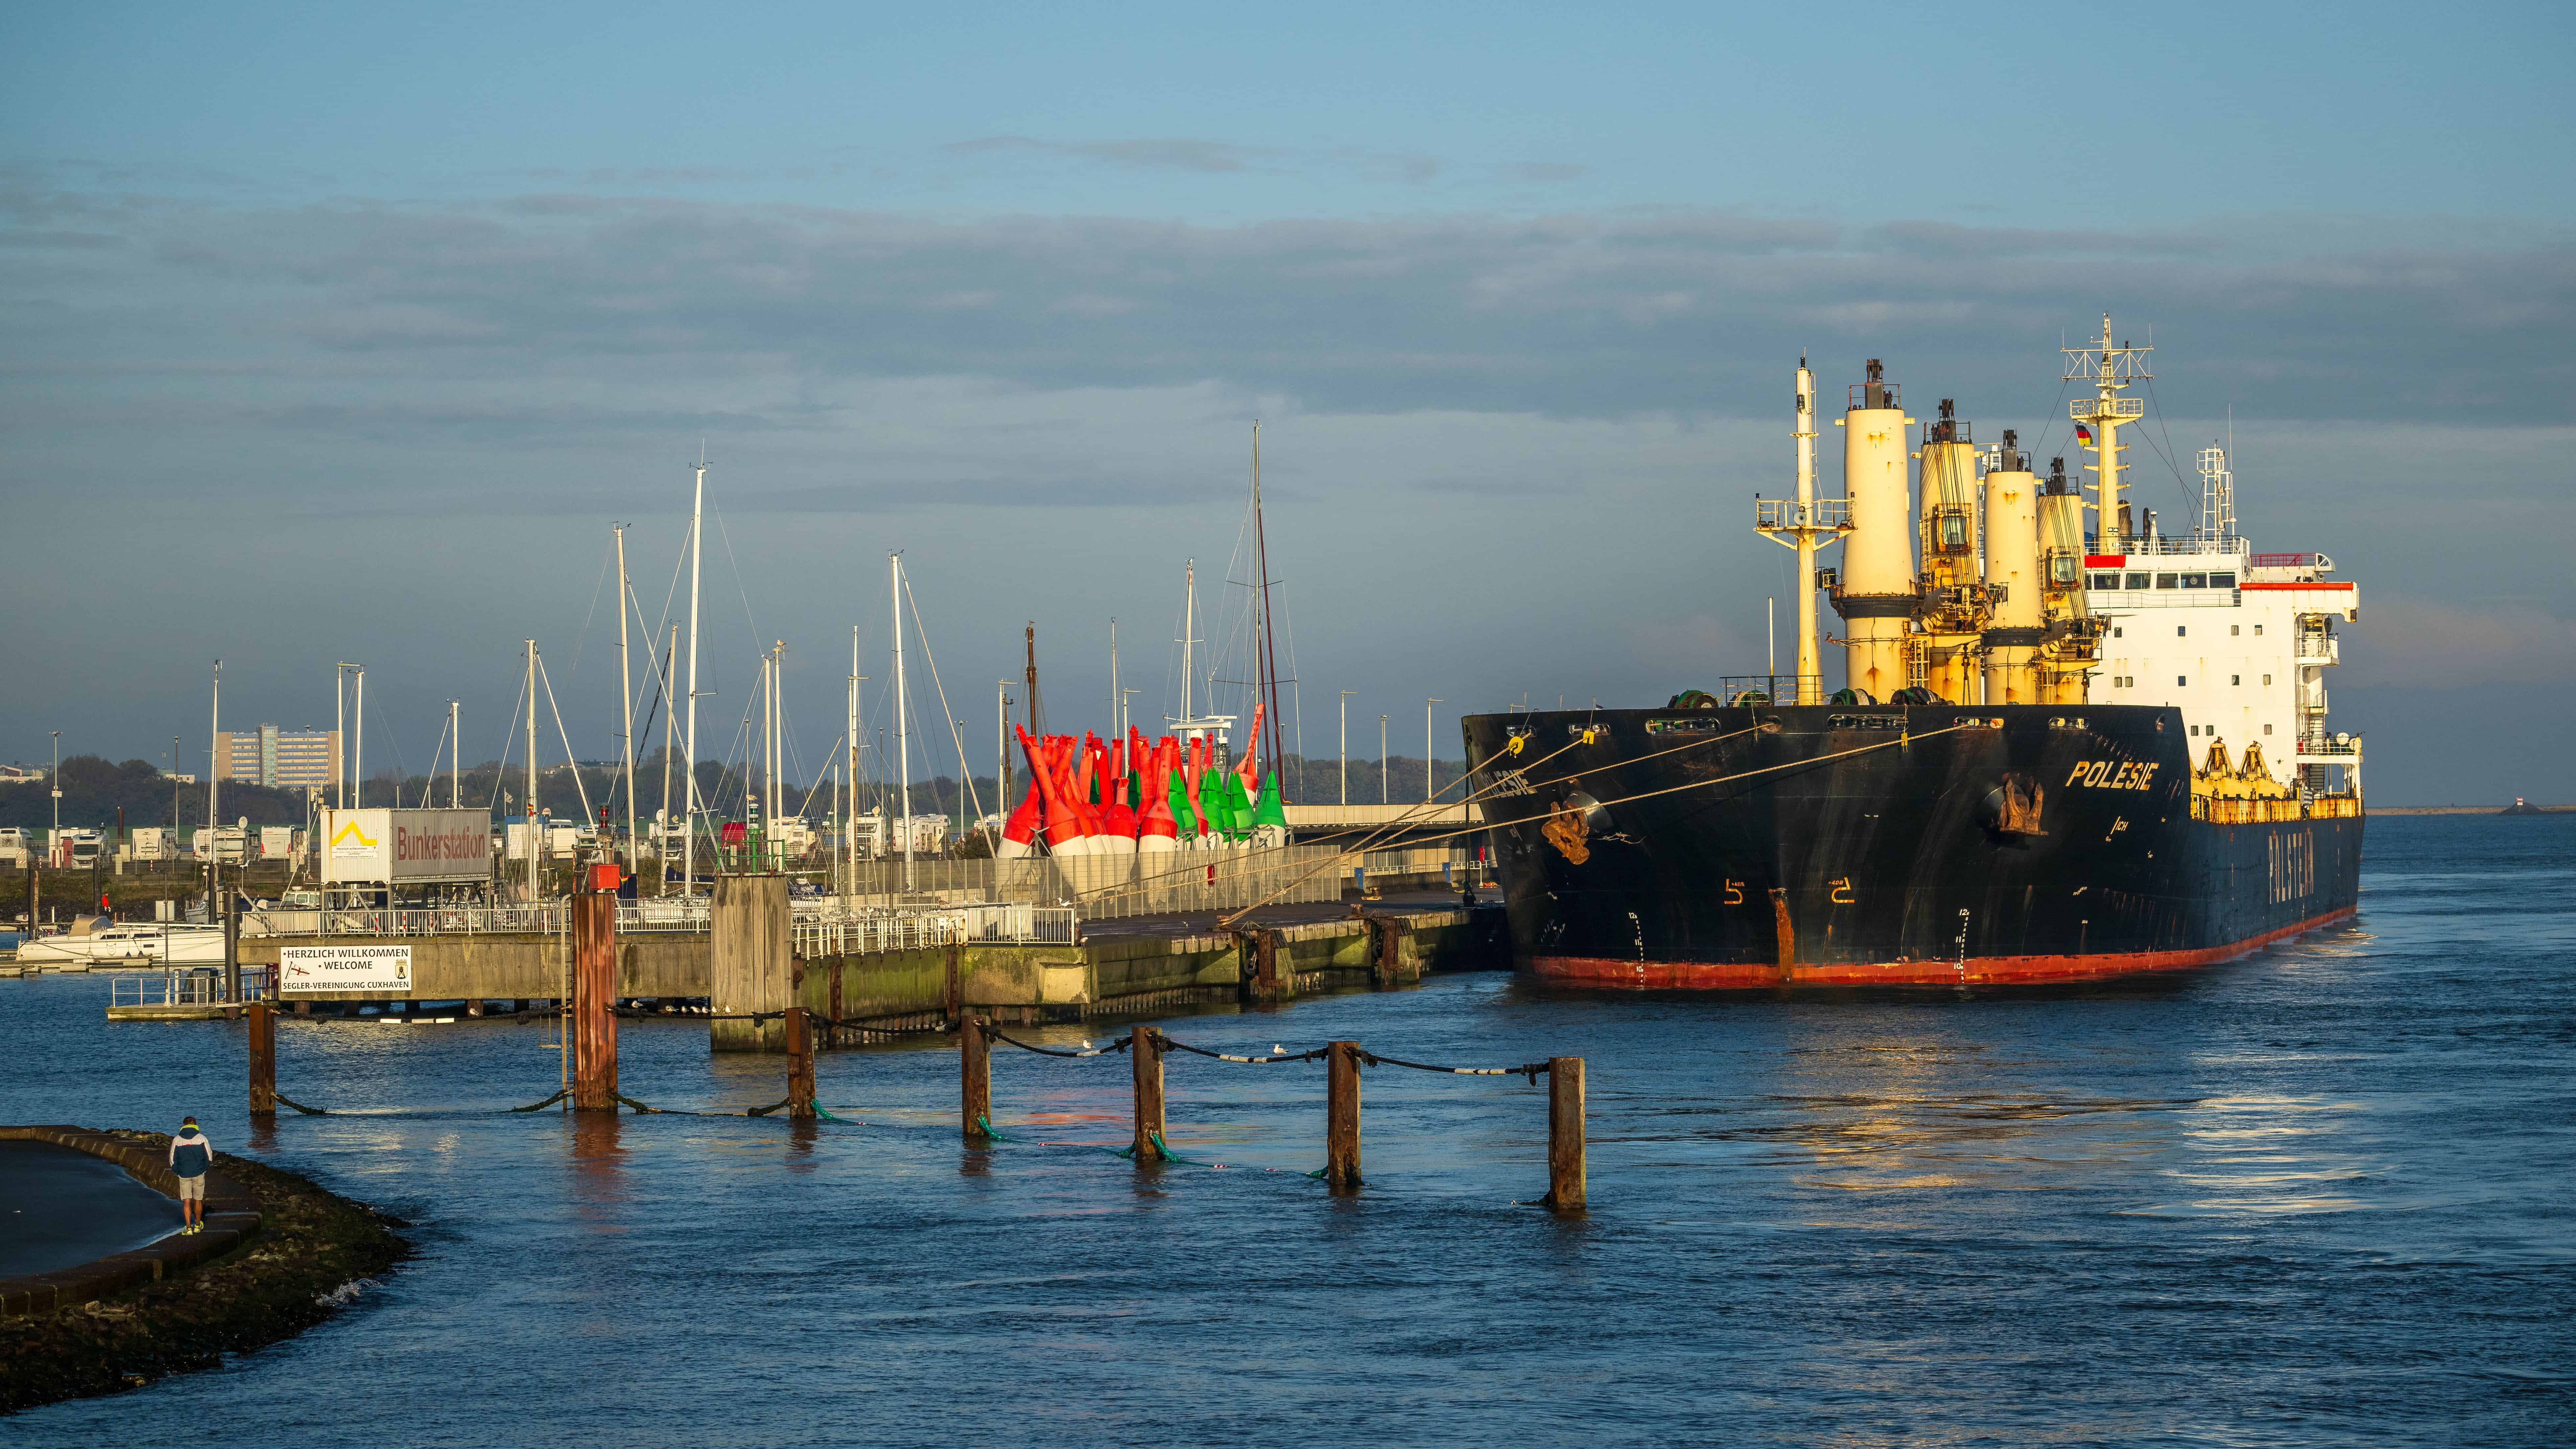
x: 1147, y: 1049
x: 263, y: 1060
x: 1565, y: 1176
x: 594, y: 1002
x: 1342, y: 1117
x: 800, y: 1064
x: 974, y: 1077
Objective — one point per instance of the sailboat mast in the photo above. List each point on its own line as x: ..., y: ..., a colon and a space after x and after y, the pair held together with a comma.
x: 1269, y: 649
x: 850, y: 819
x: 902, y: 713
x: 455, y: 761
x: 1189, y: 641
x: 626, y: 695
x: 670, y: 723
x: 534, y: 845
x: 689, y: 767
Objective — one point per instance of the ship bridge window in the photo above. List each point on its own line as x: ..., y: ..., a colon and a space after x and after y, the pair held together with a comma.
x: 2137, y: 581
x: 2166, y: 581
x: 2195, y: 581
x: 2222, y: 581
x: 2106, y: 581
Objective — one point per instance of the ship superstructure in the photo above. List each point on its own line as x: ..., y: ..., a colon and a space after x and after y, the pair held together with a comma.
x: 2007, y: 597
x: 2058, y: 751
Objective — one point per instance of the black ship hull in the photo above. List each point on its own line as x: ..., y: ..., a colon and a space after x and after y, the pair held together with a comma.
x: 1836, y: 844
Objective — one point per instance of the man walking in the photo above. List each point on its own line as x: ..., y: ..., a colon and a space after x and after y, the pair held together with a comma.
x: 190, y: 1157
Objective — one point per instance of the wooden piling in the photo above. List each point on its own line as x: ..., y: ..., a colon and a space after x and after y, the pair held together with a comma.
x: 975, y: 1077
x: 1565, y: 1175
x: 955, y: 998
x: 1342, y: 1117
x: 594, y: 1002
x: 263, y: 1060
x: 749, y: 970
x: 1147, y: 1050
x: 800, y: 1063
x: 232, y: 960
x: 1386, y: 952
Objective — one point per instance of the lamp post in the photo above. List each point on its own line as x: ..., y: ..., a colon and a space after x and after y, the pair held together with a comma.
x: 1346, y: 744
x: 1426, y: 748
x: 1383, y: 797
x: 54, y: 781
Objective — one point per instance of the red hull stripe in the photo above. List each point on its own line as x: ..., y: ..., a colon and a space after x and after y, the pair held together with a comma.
x: 1719, y: 976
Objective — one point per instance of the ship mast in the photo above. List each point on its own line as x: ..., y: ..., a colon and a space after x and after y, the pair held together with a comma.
x: 2110, y: 369
x: 1809, y: 527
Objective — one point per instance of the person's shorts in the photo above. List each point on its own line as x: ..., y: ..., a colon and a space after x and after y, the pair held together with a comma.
x: 192, y: 1189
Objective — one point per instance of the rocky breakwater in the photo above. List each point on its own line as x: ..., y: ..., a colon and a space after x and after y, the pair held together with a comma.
x: 279, y: 1254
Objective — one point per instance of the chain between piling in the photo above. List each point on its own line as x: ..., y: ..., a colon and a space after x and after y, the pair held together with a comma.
x: 1120, y: 1045
x: 298, y: 1106
x: 1530, y: 1070
x: 1316, y: 1055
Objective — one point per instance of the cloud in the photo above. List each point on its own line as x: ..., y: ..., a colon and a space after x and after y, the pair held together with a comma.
x: 564, y: 311
x: 2420, y: 643
x: 1170, y: 154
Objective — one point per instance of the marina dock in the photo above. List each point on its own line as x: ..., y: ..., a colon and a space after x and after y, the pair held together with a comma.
x: 1127, y: 967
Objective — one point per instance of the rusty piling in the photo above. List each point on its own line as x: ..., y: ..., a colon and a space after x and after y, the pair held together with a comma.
x: 974, y: 1078
x: 263, y: 1060
x: 594, y: 1002
x: 1147, y: 1050
x: 1565, y: 1172
x: 800, y: 1063
x: 1342, y: 1117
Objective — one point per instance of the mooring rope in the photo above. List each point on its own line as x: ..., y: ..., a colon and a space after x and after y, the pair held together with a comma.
x: 1496, y: 783
x: 298, y: 1106
x: 548, y: 1102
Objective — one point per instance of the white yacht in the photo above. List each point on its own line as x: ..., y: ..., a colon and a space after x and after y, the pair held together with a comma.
x: 126, y: 944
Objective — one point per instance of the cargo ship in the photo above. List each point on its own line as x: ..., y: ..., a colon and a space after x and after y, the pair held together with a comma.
x: 2069, y: 744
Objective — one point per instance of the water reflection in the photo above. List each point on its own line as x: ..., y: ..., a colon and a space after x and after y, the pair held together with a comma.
x: 599, y: 1167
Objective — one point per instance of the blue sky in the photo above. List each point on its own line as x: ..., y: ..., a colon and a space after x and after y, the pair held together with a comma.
x: 298, y: 292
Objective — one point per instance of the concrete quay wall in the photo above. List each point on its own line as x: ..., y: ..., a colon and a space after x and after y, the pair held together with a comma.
x: 505, y: 967
x: 1106, y: 976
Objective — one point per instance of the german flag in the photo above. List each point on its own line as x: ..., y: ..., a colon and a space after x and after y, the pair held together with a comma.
x: 2084, y: 435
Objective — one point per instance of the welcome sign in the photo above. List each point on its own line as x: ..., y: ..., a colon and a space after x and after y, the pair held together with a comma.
x: 349, y: 968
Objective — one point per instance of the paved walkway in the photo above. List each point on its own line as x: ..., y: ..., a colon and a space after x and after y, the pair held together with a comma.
x: 60, y: 1208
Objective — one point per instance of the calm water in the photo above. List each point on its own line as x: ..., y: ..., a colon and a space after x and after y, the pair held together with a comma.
x: 2316, y: 1196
